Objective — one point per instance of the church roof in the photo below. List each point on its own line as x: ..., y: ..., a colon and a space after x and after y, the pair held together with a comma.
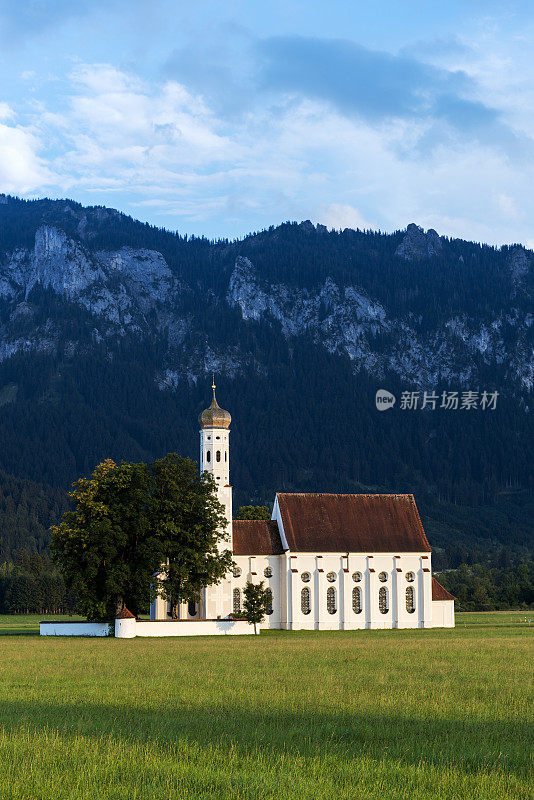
x: 214, y: 416
x: 439, y: 593
x: 256, y: 537
x: 352, y: 523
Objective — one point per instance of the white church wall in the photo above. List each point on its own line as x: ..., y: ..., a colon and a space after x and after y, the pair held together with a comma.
x: 357, y: 567
x: 379, y: 565
x: 340, y: 615
x: 329, y: 611
x: 304, y: 610
x: 404, y: 565
x: 442, y: 614
x: 427, y: 590
x: 285, y: 586
x: 253, y: 569
x: 159, y: 609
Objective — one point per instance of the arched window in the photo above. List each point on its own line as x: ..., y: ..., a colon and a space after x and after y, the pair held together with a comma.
x: 410, y: 600
x: 208, y: 456
x: 305, y: 600
x: 269, y: 596
x: 331, y: 600
x: 192, y: 608
x: 237, y: 601
x: 218, y: 455
x: 383, y: 604
x: 357, y: 600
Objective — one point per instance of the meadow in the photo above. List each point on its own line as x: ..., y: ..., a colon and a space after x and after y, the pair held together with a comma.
x: 373, y: 714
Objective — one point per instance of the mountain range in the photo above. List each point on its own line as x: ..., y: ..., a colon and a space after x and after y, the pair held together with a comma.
x: 110, y: 330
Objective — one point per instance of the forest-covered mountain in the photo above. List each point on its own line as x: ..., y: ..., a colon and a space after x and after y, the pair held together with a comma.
x: 110, y: 329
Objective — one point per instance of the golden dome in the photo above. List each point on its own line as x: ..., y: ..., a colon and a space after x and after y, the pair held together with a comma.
x: 214, y: 416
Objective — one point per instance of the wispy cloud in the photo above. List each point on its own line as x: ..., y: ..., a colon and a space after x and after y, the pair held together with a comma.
x: 378, y: 86
x: 208, y: 119
x: 22, y: 167
x: 372, y: 86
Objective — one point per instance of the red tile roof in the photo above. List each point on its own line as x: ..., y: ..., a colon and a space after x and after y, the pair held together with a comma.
x: 124, y: 614
x: 439, y: 593
x: 355, y: 523
x: 256, y: 537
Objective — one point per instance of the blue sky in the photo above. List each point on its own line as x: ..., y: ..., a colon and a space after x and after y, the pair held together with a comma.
x: 219, y: 118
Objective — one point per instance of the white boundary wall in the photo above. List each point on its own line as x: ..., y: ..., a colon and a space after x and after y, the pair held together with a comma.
x: 204, y: 627
x: 130, y: 628
x: 74, y: 628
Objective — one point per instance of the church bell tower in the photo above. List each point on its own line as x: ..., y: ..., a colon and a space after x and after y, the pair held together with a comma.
x: 215, y: 458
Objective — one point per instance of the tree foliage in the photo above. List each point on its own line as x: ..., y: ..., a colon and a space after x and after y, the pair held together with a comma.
x: 106, y: 546
x: 253, y: 512
x: 137, y: 529
x: 256, y: 603
x: 509, y: 584
x: 32, y: 584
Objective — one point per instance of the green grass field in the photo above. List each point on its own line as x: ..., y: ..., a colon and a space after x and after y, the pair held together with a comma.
x: 370, y: 714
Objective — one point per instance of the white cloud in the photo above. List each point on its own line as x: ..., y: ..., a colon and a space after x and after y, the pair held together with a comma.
x: 121, y: 141
x: 22, y: 170
x: 6, y: 113
x: 507, y: 205
x: 342, y: 215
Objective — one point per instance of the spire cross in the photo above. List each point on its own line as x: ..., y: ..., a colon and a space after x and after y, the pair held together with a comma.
x: 214, y: 401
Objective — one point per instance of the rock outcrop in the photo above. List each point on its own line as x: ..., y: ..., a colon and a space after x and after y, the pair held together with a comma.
x: 417, y: 244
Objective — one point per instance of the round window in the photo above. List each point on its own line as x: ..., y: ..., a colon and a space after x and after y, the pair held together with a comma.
x: 305, y: 577
x: 382, y: 576
x: 410, y: 576
x: 268, y: 572
x: 331, y: 576
x: 356, y: 577
x: 237, y: 572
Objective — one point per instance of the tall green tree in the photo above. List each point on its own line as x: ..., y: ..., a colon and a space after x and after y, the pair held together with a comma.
x: 190, y: 523
x: 106, y: 545
x: 137, y: 529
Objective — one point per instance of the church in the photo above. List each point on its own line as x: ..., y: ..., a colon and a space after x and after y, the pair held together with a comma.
x: 329, y: 561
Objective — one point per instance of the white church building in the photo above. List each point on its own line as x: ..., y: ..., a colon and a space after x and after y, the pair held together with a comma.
x: 329, y: 561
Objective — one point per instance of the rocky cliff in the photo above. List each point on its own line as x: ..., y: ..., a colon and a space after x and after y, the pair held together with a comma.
x: 110, y: 329
x: 133, y: 291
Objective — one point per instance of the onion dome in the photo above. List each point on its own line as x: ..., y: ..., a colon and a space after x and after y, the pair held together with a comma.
x: 214, y: 416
